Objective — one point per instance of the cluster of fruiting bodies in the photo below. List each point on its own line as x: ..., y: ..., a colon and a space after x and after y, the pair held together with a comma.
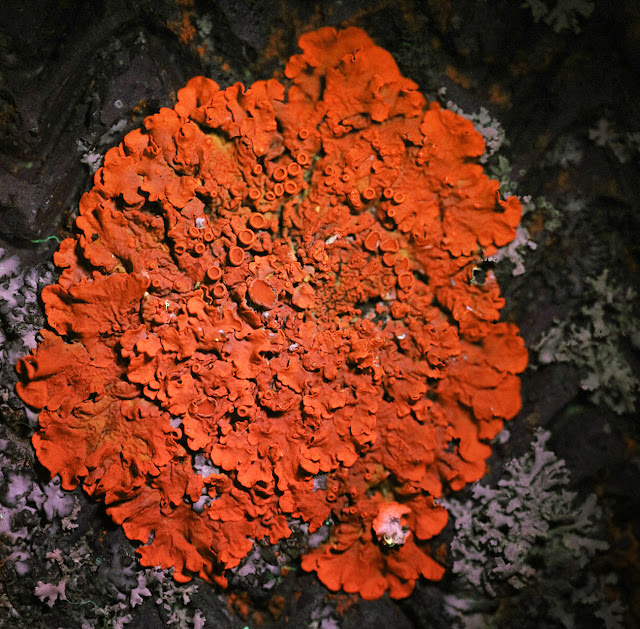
x: 269, y: 316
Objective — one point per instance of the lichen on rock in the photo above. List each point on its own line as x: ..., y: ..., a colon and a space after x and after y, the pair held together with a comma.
x: 279, y: 281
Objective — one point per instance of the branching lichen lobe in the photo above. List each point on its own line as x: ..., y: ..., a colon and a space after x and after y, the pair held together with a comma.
x: 280, y: 279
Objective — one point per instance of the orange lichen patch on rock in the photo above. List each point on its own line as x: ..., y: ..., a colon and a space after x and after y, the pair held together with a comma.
x: 269, y: 315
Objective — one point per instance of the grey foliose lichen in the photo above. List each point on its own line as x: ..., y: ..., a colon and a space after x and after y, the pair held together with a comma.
x: 20, y: 317
x: 530, y: 542
x: 599, y: 338
x: 561, y: 15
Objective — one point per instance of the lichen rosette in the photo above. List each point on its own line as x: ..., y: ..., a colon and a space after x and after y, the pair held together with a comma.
x: 269, y: 316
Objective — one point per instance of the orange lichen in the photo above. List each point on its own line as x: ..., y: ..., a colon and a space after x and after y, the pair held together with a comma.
x: 269, y: 315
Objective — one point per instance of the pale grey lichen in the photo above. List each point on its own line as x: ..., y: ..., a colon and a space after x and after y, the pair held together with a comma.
x: 623, y: 144
x: 515, y: 251
x: 530, y: 541
x: 563, y: 16
x: 50, y: 593
x: 565, y: 153
x: 324, y: 618
x: 20, y: 316
x: 598, y: 339
x: 129, y: 590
